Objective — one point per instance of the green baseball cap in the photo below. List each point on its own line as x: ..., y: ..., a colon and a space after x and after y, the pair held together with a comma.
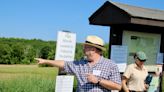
x: 141, y: 56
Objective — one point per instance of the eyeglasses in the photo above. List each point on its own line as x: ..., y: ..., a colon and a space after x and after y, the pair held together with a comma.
x: 87, y: 47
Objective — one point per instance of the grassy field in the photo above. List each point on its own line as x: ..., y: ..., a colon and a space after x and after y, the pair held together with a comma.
x: 27, y: 78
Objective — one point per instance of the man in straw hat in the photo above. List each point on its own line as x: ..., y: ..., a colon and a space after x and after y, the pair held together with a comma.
x: 95, y: 73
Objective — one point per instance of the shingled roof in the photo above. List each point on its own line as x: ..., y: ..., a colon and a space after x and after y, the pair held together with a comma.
x: 141, y: 12
x: 116, y: 13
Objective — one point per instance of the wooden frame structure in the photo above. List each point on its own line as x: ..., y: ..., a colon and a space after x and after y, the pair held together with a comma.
x: 121, y: 17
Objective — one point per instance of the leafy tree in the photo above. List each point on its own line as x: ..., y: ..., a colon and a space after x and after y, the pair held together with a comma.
x: 29, y: 55
x: 45, y: 52
x: 5, y: 53
x: 51, y: 54
x: 79, y: 51
x: 23, y: 51
x: 17, y: 53
x: 105, y: 53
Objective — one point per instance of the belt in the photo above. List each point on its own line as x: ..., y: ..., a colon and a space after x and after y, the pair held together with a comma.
x: 132, y: 91
x: 136, y: 91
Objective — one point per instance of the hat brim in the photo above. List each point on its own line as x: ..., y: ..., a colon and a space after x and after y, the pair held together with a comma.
x: 97, y: 46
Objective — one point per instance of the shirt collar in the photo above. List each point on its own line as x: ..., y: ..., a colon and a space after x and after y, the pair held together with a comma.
x: 143, y: 68
x: 101, y: 59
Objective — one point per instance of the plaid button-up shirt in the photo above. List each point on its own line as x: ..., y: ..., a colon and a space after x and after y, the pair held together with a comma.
x: 108, y: 70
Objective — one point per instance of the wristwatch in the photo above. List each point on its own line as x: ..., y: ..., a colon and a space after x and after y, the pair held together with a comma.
x: 99, y: 80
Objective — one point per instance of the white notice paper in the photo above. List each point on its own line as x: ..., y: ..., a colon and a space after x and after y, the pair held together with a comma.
x: 64, y: 83
x: 66, y: 44
x: 119, y: 54
x: 160, y: 58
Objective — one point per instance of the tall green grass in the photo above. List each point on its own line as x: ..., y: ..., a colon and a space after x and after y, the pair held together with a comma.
x: 27, y: 84
x: 27, y: 78
x: 163, y: 83
x: 30, y: 78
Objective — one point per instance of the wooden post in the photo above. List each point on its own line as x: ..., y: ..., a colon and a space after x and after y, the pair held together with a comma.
x: 161, y: 77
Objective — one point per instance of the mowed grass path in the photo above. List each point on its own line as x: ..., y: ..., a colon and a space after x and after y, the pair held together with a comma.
x: 27, y: 78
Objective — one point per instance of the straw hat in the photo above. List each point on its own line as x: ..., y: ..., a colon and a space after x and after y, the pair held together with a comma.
x: 95, y: 41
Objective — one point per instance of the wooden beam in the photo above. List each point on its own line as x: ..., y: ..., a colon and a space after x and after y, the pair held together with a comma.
x: 148, y: 22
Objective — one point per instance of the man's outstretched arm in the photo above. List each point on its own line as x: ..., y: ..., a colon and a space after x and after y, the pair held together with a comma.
x: 55, y: 63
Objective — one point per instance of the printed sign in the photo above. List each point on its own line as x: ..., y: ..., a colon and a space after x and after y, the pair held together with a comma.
x: 64, y: 84
x: 160, y: 58
x: 119, y: 54
x: 65, y: 50
x: 66, y: 43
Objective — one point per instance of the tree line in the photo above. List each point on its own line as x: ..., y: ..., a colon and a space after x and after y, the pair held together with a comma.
x: 23, y: 51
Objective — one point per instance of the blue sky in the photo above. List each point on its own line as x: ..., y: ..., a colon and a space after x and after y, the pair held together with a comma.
x: 42, y: 19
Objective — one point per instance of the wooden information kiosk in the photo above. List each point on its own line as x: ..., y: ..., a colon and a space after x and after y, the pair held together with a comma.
x: 134, y: 28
